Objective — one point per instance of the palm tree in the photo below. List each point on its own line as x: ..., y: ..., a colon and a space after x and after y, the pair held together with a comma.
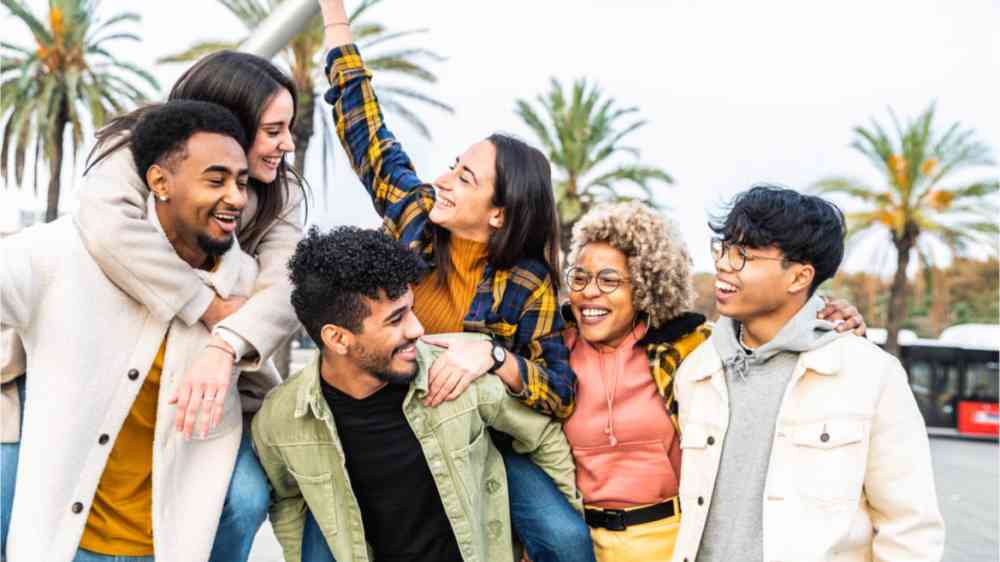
x: 304, y: 56
x: 582, y: 138
x: 68, y: 76
x: 917, y: 200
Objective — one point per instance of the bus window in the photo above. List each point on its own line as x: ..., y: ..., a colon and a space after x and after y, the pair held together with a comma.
x: 981, y: 381
x: 922, y: 383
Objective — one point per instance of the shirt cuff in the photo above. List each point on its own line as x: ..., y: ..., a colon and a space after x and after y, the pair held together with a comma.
x: 196, y: 307
x: 239, y: 344
x: 343, y: 58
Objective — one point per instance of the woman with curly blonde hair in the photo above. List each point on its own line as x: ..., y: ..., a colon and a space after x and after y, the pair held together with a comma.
x: 628, y: 330
x: 630, y: 289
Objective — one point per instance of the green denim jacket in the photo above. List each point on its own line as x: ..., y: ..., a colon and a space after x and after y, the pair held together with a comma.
x: 296, y: 440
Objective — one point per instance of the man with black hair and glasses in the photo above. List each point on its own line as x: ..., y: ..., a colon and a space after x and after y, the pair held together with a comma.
x: 361, y: 468
x: 799, y: 443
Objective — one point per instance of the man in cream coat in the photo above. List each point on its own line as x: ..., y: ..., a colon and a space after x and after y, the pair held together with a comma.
x: 103, y: 472
x: 800, y: 444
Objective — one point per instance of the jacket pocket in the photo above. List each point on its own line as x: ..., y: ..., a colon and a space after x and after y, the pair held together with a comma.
x: 695, y: 460
x: 317, y: 491
x: 829, y: 459
x: 470, y: 464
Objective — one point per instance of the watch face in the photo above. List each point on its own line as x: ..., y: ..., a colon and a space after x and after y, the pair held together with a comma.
x: 499, y: 353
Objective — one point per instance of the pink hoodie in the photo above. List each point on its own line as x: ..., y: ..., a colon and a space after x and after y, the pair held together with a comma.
x: 627, y: 454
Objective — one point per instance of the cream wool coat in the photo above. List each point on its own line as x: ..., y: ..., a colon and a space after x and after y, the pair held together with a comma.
x: 850, y: 476
x: 85, y: 340
x: 112, y: 221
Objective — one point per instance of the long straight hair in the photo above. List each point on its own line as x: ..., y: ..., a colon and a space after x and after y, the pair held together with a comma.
x: 523, y: 189
x: 245, y: 84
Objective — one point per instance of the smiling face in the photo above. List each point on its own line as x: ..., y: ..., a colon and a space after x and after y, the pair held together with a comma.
x: 764, y: 285
x: 273, y: 138
x: 464, y: 195
x: 386, y: 345
x: 205, y: 188
x: 603, y: 318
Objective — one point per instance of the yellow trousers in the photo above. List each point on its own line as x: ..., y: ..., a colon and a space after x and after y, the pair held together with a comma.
x: 649, y: 542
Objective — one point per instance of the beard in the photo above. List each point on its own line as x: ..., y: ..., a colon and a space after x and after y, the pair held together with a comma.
x: 215, y: 247
x: 380, y: 365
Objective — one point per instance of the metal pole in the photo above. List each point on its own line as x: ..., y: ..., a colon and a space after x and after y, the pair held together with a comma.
x: 277, y: 30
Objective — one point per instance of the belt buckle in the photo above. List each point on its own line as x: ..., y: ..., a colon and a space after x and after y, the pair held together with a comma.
x: 614, y: 519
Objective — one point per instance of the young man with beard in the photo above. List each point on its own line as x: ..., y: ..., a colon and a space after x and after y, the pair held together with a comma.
x: 361, y: 468
x: 799, y: 443
x: 103, y: 473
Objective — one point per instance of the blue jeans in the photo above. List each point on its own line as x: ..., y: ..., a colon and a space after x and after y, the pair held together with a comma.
x: 88, y: 556
x: 242, y: 515
x: 314, y: 547
x: 246, y: 505
x: 545, y: 522
x: 8, y: 477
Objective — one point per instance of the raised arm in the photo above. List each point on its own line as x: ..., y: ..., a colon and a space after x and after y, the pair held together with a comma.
x: 376, y: 156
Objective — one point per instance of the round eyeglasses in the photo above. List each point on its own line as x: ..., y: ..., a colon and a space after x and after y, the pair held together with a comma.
x: 608, y: 280
x: 736, y: 254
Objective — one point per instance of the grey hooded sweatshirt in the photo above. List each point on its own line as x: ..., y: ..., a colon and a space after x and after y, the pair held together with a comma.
x: 756, y: 381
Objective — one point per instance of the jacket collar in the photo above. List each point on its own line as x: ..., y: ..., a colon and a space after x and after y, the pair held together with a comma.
x: 310, y: 395
x: 224, y: 277
x: 825, y: 361
x: 669, y: 332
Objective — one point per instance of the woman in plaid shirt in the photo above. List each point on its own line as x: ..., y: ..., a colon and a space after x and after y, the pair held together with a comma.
x: 488, y: 230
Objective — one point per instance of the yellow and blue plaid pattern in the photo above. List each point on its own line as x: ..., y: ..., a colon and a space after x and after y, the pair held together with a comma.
x: 517, y: 306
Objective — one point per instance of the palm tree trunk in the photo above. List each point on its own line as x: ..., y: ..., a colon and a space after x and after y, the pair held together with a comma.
x: 897, y: 293
x: 303, y: 128
x: 55, y: 165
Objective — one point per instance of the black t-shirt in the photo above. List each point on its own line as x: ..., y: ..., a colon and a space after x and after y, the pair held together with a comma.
x: 400, y: 505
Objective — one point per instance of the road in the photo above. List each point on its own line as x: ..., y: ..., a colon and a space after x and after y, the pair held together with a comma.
x: 967, y: 474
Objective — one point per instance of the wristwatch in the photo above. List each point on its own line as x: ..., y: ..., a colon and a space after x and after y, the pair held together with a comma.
x: 499, y: 355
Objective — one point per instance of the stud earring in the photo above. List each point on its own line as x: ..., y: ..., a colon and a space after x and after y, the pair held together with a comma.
x: 163, y: 198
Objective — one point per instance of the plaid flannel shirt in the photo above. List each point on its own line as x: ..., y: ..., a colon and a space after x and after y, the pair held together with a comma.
x: 516, y: 306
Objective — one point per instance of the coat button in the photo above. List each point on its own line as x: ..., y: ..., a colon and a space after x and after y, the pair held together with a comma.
x: 77, y: 507
x: 133, y: 374
x: 103, y: 439
x: 701, y: 500
x: 711, y: 440
x: 824, y: 437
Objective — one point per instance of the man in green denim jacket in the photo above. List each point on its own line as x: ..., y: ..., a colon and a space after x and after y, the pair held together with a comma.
x: 296, y: 432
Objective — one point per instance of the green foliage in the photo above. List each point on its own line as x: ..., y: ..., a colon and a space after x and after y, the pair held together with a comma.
x: 67, y: 79
x: 915, y: 198
x: 918, y: 200
x: 583, y: 134
x: 304, y: 58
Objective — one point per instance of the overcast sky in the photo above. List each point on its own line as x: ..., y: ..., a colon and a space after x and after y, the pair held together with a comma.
x: 734, y: 92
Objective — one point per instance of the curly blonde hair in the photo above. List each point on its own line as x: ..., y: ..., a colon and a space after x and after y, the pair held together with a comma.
x: 658, y: 260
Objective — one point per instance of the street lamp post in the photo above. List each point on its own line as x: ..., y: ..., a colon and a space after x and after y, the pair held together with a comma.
x: 277, y: 30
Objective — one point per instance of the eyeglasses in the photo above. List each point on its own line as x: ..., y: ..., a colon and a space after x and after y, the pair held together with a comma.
x: 608, y: 280
x: 736, y: 254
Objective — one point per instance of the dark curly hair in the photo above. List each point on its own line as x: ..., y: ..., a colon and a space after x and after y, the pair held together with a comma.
x: 161, y: 135
x: 331, y: 272
x: 806, y: 228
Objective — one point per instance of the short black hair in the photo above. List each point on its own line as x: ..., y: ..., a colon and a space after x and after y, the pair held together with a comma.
x: 331, y: 273
x: 806, y: 228
x: 162, y: 132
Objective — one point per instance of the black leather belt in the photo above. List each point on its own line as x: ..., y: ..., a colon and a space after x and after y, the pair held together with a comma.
x: 619, y: 519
